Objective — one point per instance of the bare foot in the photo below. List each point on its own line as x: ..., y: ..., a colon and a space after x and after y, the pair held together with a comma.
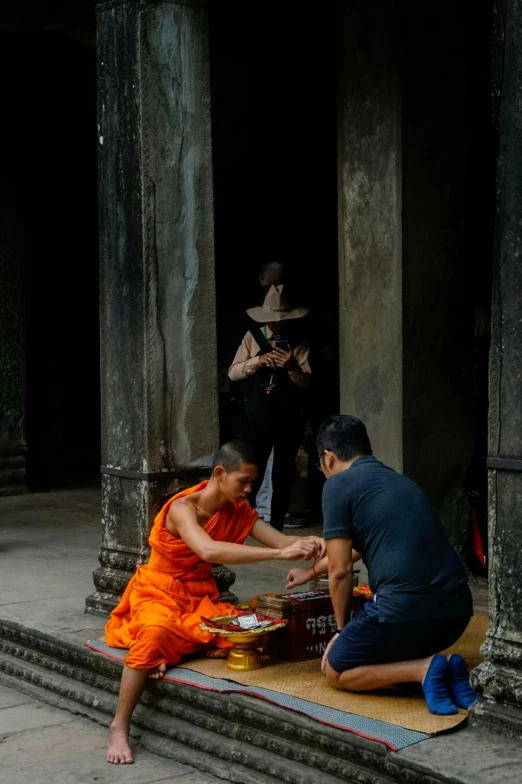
x: 218, y: 653
x: 119, y: 752
x: 158, y: 672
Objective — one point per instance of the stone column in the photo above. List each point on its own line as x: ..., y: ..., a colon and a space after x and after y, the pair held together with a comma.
x: 437, y: 265
x: 499, y: 678
x: 406, y: 319
x: 13, y: 448
x: 158, y: 336
x: 370, y: 238
x: 12, y: 352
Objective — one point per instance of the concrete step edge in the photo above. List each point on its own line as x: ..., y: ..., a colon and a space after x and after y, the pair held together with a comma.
x: 173, y: 736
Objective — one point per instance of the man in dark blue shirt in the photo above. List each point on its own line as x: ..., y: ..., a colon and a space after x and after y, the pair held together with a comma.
x: 421, y: 600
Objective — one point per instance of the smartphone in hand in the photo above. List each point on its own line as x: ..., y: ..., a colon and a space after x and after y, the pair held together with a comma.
x: 282, y: 343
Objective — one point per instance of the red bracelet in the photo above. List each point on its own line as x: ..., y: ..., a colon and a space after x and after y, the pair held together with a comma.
x: 314, y: 572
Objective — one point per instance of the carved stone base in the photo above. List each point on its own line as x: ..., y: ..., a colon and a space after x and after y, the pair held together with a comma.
x: 99, y: 603
x: 505, y: 720
x: 110, y: 580
x: 228, y: 596
x: 110, y: 584
x: 499, y: 682
x: 117, y: 568
x: 12, y: 472
x: 225, y: 577
x: 499, y: 708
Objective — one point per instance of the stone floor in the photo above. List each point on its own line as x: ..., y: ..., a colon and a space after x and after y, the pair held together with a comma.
x: 40, y: 744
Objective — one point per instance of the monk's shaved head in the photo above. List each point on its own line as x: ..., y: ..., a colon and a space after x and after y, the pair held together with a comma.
x: 232, y: 455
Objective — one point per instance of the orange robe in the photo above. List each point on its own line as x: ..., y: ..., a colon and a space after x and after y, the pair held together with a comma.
x: 159, y: 614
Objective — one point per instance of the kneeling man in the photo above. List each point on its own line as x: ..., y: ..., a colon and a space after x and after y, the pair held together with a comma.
x: 421, y: 599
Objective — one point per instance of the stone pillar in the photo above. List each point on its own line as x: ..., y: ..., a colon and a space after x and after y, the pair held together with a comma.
x: 12, y: 353
x: 13, y: 448
x: 499, y: 678
x: 158, y: 341
x: 437, y: 306
x: 406, y: 319
x: 370, y: 239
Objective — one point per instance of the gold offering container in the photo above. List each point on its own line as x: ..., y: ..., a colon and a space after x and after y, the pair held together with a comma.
x: 244, y: 654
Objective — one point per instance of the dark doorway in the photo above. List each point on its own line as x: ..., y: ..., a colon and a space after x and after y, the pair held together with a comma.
x: 273, y: 87
x: 53, y: 109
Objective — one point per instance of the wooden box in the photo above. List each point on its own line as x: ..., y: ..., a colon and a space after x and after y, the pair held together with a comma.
x: 310, y: 628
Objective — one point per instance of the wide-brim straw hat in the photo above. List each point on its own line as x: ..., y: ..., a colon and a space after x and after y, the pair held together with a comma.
x: 276, y: 307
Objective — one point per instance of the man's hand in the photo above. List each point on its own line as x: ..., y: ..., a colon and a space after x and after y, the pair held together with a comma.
x: 320, y: 544
x: 268, y: 360
x: 298, y: 576
x: 324, y: 661
x: 302, y: 550
x: 285, y: 359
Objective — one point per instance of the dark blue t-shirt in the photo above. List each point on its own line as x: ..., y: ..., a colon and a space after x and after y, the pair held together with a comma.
x: 412, y: 567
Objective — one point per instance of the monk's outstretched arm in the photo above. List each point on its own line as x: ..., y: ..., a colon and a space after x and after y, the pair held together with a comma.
x: 270, y: 537
x: 182, y: 521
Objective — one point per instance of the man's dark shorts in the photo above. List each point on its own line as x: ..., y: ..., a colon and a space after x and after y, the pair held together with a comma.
x: 366, y: 641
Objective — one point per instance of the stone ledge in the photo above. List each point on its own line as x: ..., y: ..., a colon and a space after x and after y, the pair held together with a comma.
x: 266, y: 739
x: 149, y: 740
x: 505, y: 720
x: 174, y: 738
x: 238, y: 738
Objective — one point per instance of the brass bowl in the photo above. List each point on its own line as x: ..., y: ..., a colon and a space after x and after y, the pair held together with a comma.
x: 244, y: 654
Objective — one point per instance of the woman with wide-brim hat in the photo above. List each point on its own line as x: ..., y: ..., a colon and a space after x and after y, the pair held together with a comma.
x: 274, y: 367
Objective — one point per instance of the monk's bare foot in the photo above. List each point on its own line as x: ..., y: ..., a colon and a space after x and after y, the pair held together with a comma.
x: 119, y: 752
x: 217, y: 653
x: 158, y: 672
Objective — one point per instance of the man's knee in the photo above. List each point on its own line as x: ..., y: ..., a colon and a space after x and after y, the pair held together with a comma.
x: 348, y: 676
x: 332, y: 676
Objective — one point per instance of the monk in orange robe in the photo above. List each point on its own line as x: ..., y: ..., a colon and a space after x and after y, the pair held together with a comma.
x: 159, y: 614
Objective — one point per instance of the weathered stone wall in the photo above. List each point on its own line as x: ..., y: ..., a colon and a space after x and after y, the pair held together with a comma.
x: 499, y: 679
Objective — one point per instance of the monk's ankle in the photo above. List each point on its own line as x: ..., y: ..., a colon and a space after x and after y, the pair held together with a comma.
x: 118, y: 726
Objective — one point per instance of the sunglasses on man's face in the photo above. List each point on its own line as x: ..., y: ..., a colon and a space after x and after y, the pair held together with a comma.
x: 319, y: 465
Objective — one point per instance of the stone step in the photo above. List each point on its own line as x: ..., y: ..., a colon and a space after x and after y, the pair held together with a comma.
x: 236, y: 737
